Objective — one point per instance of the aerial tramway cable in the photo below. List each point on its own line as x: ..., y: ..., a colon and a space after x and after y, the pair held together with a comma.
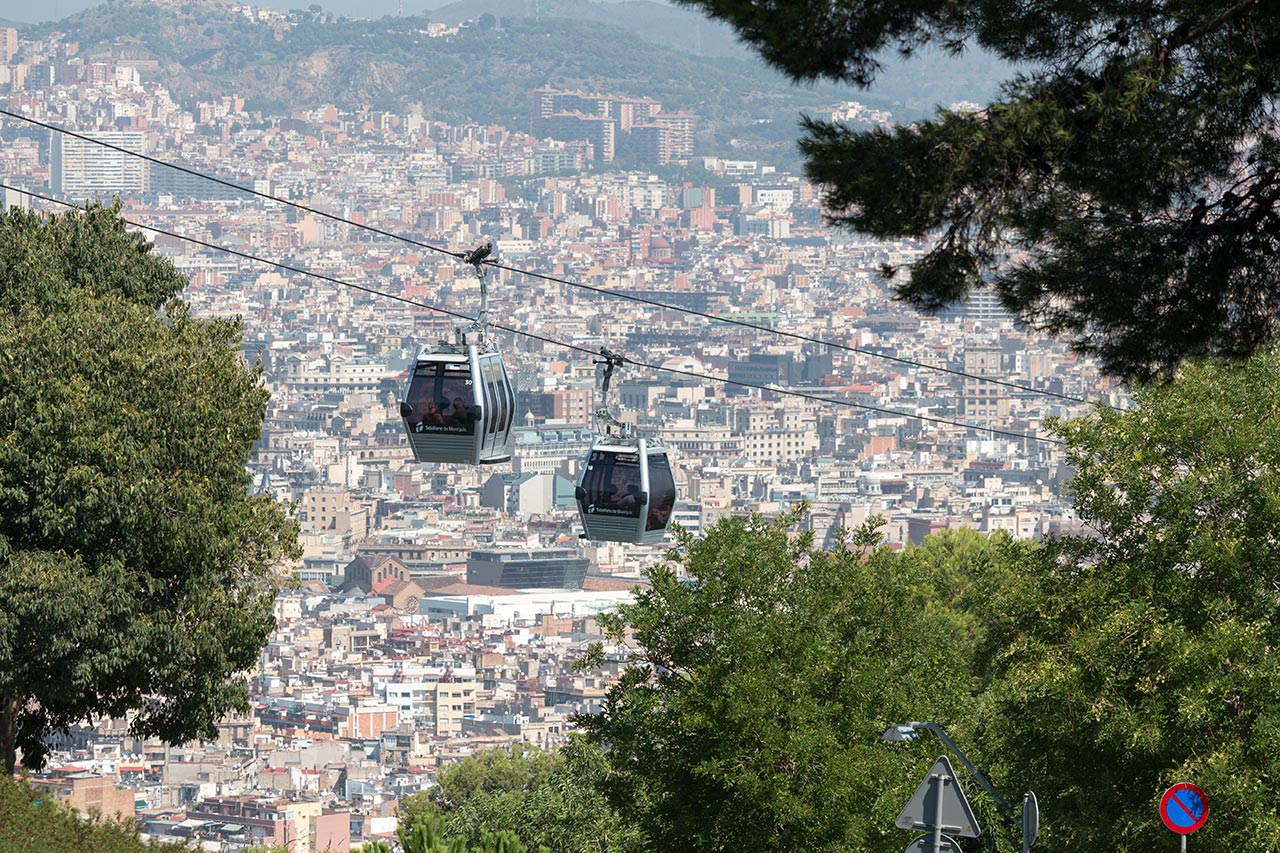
x: 554, y: 279
x: 835, y: 401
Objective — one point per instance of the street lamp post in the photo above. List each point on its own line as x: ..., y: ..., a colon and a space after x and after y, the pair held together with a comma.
x: 1030, y: 824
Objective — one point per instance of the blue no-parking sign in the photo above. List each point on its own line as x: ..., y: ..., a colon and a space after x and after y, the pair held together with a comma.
x: 1183, y: 808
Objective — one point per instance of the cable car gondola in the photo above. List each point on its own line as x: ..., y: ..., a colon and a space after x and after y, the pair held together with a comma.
x: 626, y: 490
x: 459, y: 404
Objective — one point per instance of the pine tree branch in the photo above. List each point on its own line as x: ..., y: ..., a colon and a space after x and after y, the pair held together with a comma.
x: 1183, y: 35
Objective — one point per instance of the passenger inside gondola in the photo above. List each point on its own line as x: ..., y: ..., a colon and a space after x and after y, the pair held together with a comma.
x: 416, y: 412
x: 660, y: 513
x: 433, y: 387
x: 431, y: 414
x: 458, y: 414
x: 622, y: 490
x: 662, y: 493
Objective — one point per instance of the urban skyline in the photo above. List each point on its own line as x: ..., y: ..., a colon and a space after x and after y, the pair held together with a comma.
x: 440, y: 608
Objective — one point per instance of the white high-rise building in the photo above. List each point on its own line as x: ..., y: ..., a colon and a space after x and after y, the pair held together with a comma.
x: 79, y: 169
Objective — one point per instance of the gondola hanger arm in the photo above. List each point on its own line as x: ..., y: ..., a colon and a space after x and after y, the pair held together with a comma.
x: 604, y: 418
x: 476, y: 258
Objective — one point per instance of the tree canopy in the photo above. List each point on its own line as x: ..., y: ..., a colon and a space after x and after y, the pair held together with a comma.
x: 1120, y: 664
x: 1096, y: 669
x: 1121, y: 191
x: 34, y: 821
x: 137, y: 573
x: 547, y: 800
x: 750, y: 718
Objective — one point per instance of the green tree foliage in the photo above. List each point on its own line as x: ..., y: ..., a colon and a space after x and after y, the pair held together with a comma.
x: 427, y: 835
x: 546, y: 799
x: 33, y: 821
x: 136, y: 572
x: 1096, y: 669
x: 1120, y: 664
x: 751, y: 719
x: 495, y: 771
x: 503, y: 842
x: 1132, y: 171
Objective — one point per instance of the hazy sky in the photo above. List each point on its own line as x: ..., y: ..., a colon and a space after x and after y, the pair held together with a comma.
x: 25, y: 11
x: 28, y: 12
x: 31, y: 13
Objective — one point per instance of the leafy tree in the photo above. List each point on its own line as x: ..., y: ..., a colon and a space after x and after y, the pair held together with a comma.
x: 751, y: 719
x: 1122, y: 190
x: 33, y: 821
x: 427, y: 836
x: 495, y: 771
x: 137, y: 573
x: 417, y: 808
x: 546, y: 799
x: 1119, y: 664
x: 503, y: 842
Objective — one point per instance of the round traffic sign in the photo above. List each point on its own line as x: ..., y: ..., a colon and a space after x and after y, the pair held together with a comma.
x: 1183, y: 808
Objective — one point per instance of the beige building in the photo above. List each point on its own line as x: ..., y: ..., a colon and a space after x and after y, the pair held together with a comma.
x: 713, y: 443
x: 298, y: 826
x: 437, y: 707
x: 88, y: 793
x: 335, y: 510
x: 983, y: 403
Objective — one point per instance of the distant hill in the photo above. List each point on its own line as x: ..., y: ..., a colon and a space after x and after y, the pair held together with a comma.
x: 911, y: 88
x: 206, y: 48
x: 210, y: 48
x: 657, y: 23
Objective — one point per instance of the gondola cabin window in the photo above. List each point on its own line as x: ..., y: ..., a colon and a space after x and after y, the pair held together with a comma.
x: 662, y: 492
x: 612, y: 484
x: 497, y: 418
x: 439, y: 397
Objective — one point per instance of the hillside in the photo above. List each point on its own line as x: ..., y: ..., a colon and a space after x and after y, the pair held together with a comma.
x: 206, y: 48
x: 909, y: 88
x: 656, y: 23
x: 486, y: 73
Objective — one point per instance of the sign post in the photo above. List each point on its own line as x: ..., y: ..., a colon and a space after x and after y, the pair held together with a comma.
x: 938, y: 805
x: 1184, y: 809
x: 1030, y: 820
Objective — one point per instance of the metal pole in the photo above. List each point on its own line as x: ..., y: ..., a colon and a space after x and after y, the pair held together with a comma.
x: 940, y: 782
x: 1184, y: 843
x: 982, y: 780
x: 1026, y: 838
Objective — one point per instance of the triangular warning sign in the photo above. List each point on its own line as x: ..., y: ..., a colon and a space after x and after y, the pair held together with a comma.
x: 921, y: 811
